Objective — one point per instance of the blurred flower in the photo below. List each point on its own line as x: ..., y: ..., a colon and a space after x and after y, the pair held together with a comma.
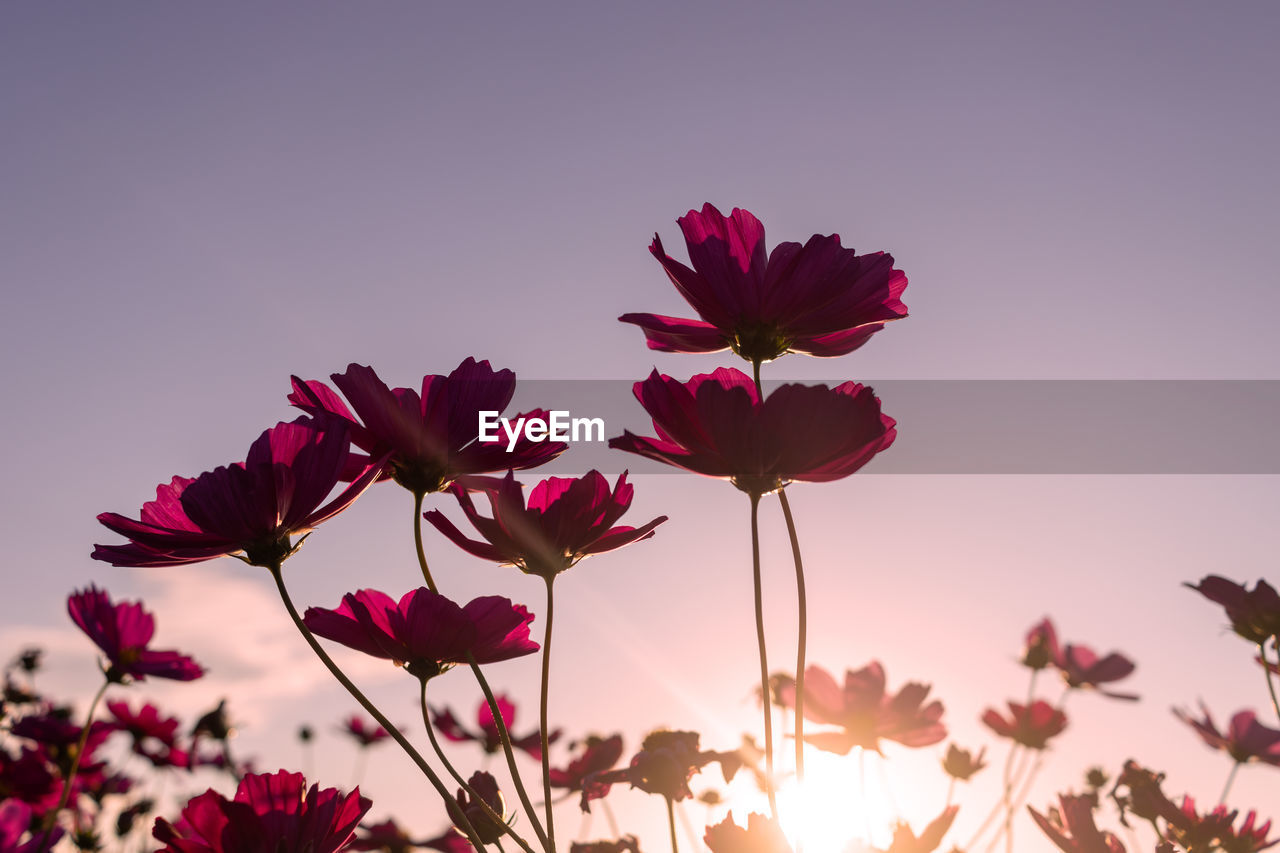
x: 486, y: 788
x: 389, y: 837
x: 153, y: 737
x: 1214, y: 830
x: 1254, y: 613
x: 1081, y: 667
x: 364, y: 733
x: 1070, y: 826
x: 306, y: 734
x: 123, y: 631
x: 667, y: 760
x: 625, y: 844
x: 1041, y: 647
x: 270, y: 813
x: 425, y: 632
x: 962, y: 764
x: 762, y: 835
x: 430, y: 438
x: 566, y: 520
x: 598, y: 755
x: 867, y: 713
x: 1030, y: 725
x: 1143, y: 797
x: 906, y: 841
x: 214, y: 723
x: 715, y: 424
x: 1245, y: 739
x: 819, y: 299
x: 249, y: 509
x: 488, y: 736
x: 15, y: 820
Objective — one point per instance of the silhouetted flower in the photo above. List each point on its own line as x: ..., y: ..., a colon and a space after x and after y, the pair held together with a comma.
x: 123, y: 632
x: 566, y: 520
x: 425, y: 632
x: 1143, y: 797
x: 962, y: 764
x: 1030, y: 725
x: 250, y: 509
x: 906, y: 841
x: 271, y: 813
x: 716, y: 424
x: 1254, y: 613
x: 1214, y: 830
x: 762, y: 835
x: 364, y: 733
x: 820, y: 298
x: 667, y: 760
x: 598, y: 755
x: 866, y: 713
x: 625, y: 844
x: 1081, y: 667
x: 488, y: 736
x: 390, y: 838
x: 487, y: 829
x: 1071, y: 827
x: 430, y: 438
x: 1041, y: 647
x: 1245, y: 739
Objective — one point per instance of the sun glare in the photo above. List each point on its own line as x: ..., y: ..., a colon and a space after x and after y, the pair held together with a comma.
x: 839, y: 809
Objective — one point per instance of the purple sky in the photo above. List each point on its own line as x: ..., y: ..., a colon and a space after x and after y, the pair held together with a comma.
x: 199, y: 200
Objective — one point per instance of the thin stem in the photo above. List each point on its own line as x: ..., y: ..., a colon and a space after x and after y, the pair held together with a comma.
x: 802, y: 640
x: 542, y: 717
x: 75, y: 760
x: 671, y: 822
x: 608, y: 816
x: 509, y: 752
x: 471, y: 792
x: 1266, y: 668
x: 232, y: 767
x: 454, y: 812
x: 417, y: 540
x: 764, y: 660
x: 1226, y: 789
x: 755, y: 374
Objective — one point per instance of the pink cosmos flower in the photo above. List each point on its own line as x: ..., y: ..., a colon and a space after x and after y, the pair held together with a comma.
x: 566, y: 520
x: 1214, y: 830
x: 1081, y: 667
x: 389, y: 837
x: 123, y: 632
x: 270, y: 813
x: 762, y: 835
x: 425, y: 632
x: 1041, y: 648
x: 1254, y: 613
x: 667, y: 760
x: 961, y: 764
x: 1033, y: 725
x: 715, y: 424
x: 249, y: 509
x: 906, y: 841
x: 598, y: 755
x: 1071, y: 827
x: 430, y: 438
x: 866, y: 713
x: 15, y: 819
x: 488, y: 736
x: 363, y: 732
x: 1245, y: 739
x: 487, y: 828
x: 820, y: 298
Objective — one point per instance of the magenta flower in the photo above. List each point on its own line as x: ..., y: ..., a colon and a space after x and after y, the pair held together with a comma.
x: 123, y: 632
x: 15, y: 820
x: 1082, y: 667
x: 271, y: 813
x: 1041, y: 649
x: 715, y: 424
x: 249, y: 509
x: 430, y: 438
x: 762, y: 835
x: 425, y: 632
x: 866, y: 713
x: 1254, y: 613
x: 598, y: 755
x: 1072, y: 829
x: 364, y: 733
x: 1214, y: 830
x: 485, y: 786
x: 388, y: 836
x: 566, y: 520
x: 1245, y: 739
x: 819, y: 299
x: 1032, y: 725
x: 488, y: 737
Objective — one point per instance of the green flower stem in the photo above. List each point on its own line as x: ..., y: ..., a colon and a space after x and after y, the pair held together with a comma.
x: 462, y: 783
x: 75, y: 761
x: 542, y: 717
x: 456, y: 813
x: 764, y: 661
x: 509, y: 752
x: 417, y: 540
x: 671, y: 822
x: 802, y: 640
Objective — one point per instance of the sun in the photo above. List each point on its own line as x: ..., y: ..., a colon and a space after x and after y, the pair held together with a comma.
x: 841, y: 807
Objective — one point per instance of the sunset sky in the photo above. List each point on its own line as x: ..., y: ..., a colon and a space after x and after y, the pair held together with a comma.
x: 200, y: 200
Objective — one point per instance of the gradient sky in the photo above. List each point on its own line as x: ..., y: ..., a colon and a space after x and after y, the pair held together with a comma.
x: 199, y: 200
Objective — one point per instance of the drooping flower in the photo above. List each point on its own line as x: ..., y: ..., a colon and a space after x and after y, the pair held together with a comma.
x: 867, y: 713
x: 598, y: 754
x: 566, y: 520
x: 1081, y: 667
x: 1245, y: 739
x: 271, y: 813
x: 1071, y: 827
x: 762, y: 835
x: 485, y: 786
x: 962, y: 764
x: 430, y: 438
x: 1254, y: 613
x: 1032, y: 725
x: 123, y: 632
x: 425, y: 632
x: 716, y: 424
x: 363, y: 732
x: 906, y: 841
x: 819, y: 299
x: 488, y: 737
x: 251, y: 509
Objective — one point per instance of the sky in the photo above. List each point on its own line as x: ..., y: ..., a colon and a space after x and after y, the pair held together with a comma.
x: 201, y: 200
